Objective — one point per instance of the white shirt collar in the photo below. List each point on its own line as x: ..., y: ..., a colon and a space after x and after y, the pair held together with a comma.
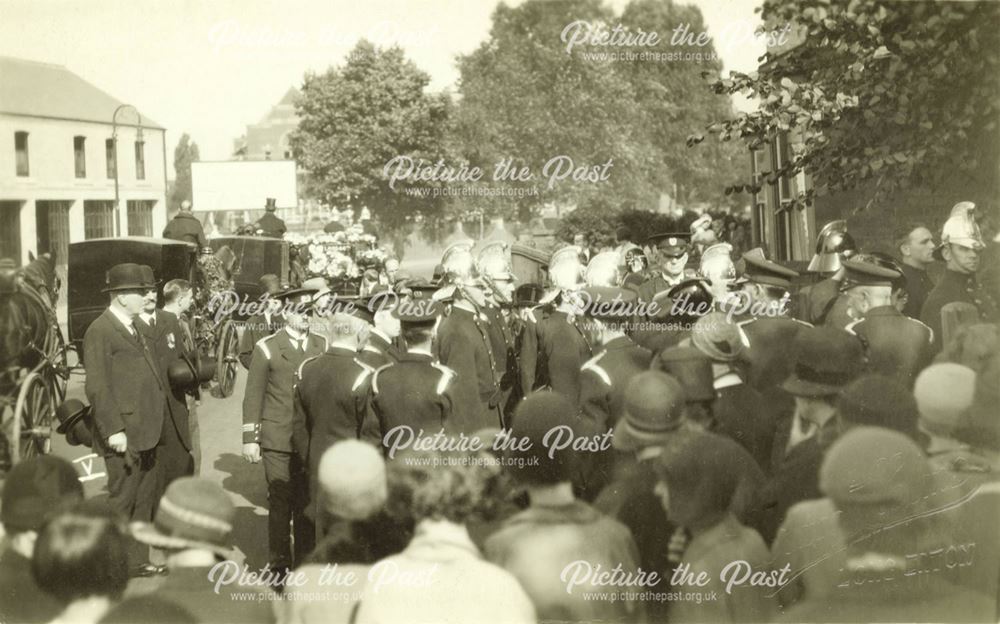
x: 296, y: 335
x: 122, y: 317
x: 149, y: 317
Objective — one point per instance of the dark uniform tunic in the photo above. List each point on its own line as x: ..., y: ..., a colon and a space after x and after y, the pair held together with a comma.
x: 502, y: 342
x: 416, y: 392
x: 271, y: 226
x: 463, y: 345
x: 605, y: 377
x: 379, y: 351
x: 659, y: 282
x: 562, y: 350
x: 897, y: 345
x: 771, y: 355
x: 268, y: 414
x: 186, y: 227
x: 956, y: 286
x: 918, y: 286
x: 331, y: 401
x: 257, y: 327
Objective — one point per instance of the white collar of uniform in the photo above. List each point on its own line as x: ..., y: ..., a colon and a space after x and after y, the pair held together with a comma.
x: 727, y: 380
x: 381, y: 334
x: 296, y: 335
x: 419, y: 351
x: 123, y: 318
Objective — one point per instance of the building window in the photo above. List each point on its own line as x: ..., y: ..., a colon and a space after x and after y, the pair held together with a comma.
x: 98, y: 219
x: 52, y: 227
x: 110, y: 157
x: 21, y: 153
x: 140, y: 160
x: 140, y: 218
x: 80, y: 156
x: 288, y: 154
x: 759, y: 196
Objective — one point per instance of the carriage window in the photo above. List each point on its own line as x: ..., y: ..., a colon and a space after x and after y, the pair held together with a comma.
x: 140, y: 160
x: 80, y: 156
x: 21, y: 153
x: 109, y: 156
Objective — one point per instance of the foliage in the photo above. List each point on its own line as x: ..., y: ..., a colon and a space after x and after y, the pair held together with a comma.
x: 354, y: 119
x: 185, y: 153
x: 878, y: 95
x: 211, y: 279
x: 599, y: 224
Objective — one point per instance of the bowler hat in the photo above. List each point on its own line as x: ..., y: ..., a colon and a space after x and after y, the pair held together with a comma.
x: 879, y: 401
x: 532, y: 462
x: 687, y: 301
x: 654, y: 409
x: 717, y: 338
x: 692, y: 368
x: 193, y: 513
x: 855, y: 471
x: 186, y: 373
x: 527, y: 295
x: 128, y: 276
x: 74, y: 417
x: 827, y: 359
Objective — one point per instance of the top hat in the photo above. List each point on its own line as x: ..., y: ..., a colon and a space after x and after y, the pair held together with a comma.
x: 74, y: 417
x: 272, y: 204
x: 186, y: 373
x: 129, y: 276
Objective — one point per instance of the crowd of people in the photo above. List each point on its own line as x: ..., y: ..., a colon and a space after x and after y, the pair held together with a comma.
x: 662, y: 432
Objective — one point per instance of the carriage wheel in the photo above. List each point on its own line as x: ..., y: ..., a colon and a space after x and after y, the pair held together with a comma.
x: 31, y: 433
x: 227, y: 364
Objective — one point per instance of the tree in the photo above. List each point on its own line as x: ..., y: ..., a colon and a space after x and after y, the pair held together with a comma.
x: 675, y: 104
x: 354, y: 120
x: 524, y: 97
x: 185, y: 153
x: 879, y: 95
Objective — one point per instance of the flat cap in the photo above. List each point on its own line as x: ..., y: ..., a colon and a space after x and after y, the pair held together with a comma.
x: 759, y: 270
x: 671, y: 243
x: 867, y: 274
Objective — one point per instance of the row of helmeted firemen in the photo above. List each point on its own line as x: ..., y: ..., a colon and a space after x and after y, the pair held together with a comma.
x: 457, y: 354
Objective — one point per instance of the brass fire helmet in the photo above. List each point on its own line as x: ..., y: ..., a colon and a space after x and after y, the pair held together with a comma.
x: 494, y: 265
x: 833, y: 244
x: 458, y: 263
x: 602, y: 270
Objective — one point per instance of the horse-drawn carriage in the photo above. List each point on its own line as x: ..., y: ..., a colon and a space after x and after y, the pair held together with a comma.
x: 216, y: 335
x: 33, y: 359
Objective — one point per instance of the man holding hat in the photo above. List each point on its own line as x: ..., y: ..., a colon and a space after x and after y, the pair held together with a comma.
x: 897, y: 345
x: 127, y: 393
x: 268, y: 411
x: 270, y: 225
x: 960, y: 248
x: 331, y: 394
x: 671, y: 252
x: 165, y: 336
x: 417, y: 391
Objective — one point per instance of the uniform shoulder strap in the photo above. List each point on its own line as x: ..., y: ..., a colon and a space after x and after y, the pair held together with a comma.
x: 447, y: 375
x: 375, y: 377
x: 365, y: 372
x: 930, y: 331
x: 850, y: 326
x: 302, y: 366
x: 593, y: 365
x: 262, y: 343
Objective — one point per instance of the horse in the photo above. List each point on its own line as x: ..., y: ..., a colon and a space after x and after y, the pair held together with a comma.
x: 27, y: 311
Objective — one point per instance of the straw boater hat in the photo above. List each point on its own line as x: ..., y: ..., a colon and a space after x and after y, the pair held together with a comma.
x: 193, y: 513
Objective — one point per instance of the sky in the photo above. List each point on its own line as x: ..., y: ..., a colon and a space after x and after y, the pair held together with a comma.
x: 210, y: 67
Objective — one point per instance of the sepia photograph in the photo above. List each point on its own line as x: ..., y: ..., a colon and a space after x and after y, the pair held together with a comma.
x: 506, y: 311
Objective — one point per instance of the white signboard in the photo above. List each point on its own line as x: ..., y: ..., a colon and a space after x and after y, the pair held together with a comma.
x: 242, y: 185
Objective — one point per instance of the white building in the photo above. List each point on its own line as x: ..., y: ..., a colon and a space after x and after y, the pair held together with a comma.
x: 58, y: 161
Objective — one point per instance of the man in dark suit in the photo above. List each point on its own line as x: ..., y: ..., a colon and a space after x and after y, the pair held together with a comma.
x: 268, y: 410
x: 331, y: 400
x: 270, y: 224
x: 165, y: 337
x: 127, y: 394
x: 186, y: 227
x: 915, y: 244
x: 264, y: 324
